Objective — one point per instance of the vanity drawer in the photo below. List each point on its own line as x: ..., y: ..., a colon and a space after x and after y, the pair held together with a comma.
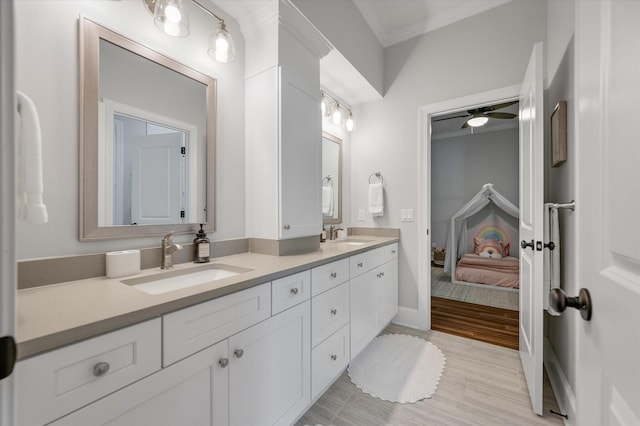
x: 329, y: 312
x: 328, y: 360
x: 390, y: 252
x: 328, y: 276
x: 55, y: 383
x: 289, y: 291
x: 194, y: 328
x: 363, y: 262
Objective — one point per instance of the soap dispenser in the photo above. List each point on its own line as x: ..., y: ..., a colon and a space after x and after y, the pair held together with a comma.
x: 202, y: 246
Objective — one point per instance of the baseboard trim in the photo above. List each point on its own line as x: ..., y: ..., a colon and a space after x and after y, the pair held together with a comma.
x: 407, y: 317
x: 559, y: 383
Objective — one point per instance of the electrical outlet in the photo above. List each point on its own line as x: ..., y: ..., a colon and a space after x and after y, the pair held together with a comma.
x: 360, y: 214
x: 406, y: 215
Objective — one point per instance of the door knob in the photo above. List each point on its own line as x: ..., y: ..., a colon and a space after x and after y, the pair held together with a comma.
x: 559, y: 302
x: 525, y: 244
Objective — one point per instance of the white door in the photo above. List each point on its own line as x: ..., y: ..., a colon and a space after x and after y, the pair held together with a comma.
x: 7, y: 209
x: 607, y: 205
x: 156, y: 179
x: 531, y: 226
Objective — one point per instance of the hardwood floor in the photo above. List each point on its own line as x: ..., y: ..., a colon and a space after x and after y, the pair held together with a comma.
x: 482, y: 384
x: 485, y: 323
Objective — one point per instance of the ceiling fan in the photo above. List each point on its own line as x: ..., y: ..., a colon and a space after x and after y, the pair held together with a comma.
x: 480, y: 116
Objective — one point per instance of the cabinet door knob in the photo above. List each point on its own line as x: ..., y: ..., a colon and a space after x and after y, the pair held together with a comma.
x: 393, y: 252
x: 238, y: 353
x: 334, y: 357
x: 287, y: 227
x: 294, y: 291
x: 382, y: 274
x: 223, y: 362
x: 334, y: 311
x: 359, y: 264
x: 333, y: 275
x: 100, y: 369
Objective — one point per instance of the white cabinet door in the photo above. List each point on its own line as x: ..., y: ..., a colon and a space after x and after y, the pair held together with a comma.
x: 300, y: 160
x: 363, y: 300
x: 191, y: 392
x: 387, y: 293
x: 269, y: 377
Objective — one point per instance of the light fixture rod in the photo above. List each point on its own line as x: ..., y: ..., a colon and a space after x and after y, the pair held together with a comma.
x: 208, y: 11
x: 337, y: 102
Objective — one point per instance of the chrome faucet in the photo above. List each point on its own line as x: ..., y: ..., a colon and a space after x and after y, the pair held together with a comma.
x: 168, y: 248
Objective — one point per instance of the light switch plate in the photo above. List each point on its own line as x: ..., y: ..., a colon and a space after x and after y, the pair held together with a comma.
x: 360, y: 214
x: 406, y: 215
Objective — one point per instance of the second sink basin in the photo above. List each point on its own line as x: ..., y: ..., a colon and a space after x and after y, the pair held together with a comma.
x: 179, y: 279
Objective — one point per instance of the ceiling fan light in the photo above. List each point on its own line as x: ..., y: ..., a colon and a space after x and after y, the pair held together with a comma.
x: 477, y: 121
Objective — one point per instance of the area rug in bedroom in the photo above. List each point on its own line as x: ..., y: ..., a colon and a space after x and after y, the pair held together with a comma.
x: 398, y: 368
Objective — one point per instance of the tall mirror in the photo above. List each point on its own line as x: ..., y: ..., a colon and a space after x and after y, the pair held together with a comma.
x: 146, y: 140
x: 331, y: 179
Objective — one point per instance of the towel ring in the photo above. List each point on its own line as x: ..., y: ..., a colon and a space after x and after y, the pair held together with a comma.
x: 377, y: 175
x: 328, y: 179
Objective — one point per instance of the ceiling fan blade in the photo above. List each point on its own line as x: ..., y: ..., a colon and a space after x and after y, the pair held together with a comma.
x: 449, y: 118
x: 465, y: 125
x: 500, y: 115
x: 500, y: 106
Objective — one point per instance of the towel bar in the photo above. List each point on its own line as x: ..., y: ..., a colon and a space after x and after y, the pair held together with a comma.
x: 570, y: 205
x: 376, y: 175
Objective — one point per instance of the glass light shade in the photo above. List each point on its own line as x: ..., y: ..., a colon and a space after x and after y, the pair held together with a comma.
x: 349, y: 123
x: 171, y: 17
x: 325, y: 107
x: 337, y: 114
x: 477, y: 121
x: 221, y: 46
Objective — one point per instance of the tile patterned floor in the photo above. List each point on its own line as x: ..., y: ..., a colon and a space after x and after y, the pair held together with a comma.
x: 482, y: 384
x: 441, y: 286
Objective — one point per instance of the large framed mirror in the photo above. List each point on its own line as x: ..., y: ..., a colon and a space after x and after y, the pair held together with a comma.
x: 331, y: 179
x: 147, y: 140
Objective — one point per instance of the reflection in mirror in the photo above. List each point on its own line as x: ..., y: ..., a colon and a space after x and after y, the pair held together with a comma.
x: 331, y: 179
x: 147, y: 140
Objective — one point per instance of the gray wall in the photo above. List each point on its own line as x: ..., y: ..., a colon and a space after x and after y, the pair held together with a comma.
x: 461, y: 165
x: 47, y: 71
x: 425, y: 70
x: 561, y: 180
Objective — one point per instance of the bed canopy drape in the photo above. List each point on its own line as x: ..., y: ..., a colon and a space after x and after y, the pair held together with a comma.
x: 458, y: 232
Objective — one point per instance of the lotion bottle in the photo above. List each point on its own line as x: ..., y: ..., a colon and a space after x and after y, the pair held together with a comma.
x: 202, y: 246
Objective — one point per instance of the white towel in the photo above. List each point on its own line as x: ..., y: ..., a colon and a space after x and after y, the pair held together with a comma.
x: 327, y: 200
x: 551, y: 257
x: 31, y: 207
x: 376, y: 199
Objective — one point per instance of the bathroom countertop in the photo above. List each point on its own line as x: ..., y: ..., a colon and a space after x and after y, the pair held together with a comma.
x: 55, y: 315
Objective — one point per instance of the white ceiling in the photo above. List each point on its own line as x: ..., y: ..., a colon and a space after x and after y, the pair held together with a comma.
x: 394, y: 21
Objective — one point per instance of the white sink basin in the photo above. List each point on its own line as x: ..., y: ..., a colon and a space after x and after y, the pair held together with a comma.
x: 353, y: 241
x: 176, y: 280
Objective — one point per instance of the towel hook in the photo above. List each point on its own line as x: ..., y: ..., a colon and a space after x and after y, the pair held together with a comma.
x: 377, y: 175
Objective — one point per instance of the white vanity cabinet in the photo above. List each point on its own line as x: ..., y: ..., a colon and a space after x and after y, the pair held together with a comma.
x: 55, y: 383
x: 373, y: 294
x: 193, y: 391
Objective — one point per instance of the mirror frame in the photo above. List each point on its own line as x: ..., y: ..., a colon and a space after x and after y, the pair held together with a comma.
x: 338, y: 141
x: 89, y: 58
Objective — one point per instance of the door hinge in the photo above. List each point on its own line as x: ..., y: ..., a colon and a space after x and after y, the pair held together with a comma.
x: 8, y: 355
x: 182, y: 214
x: 183, y: 150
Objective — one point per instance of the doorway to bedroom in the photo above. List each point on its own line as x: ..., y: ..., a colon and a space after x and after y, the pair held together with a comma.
x: 474, y: 185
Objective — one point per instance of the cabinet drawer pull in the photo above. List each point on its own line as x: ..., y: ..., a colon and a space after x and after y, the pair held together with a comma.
x: 378, y: 275
x: 334, y: 357
x: 294, y: 291
x: 359, y: 264
x: 382, y: 274
x: 238, y: 353
x: 334, y: 311
x: 287, y: 227
x: 393, y: 252
x: 223, y: 362
x: 100, y: 369
x: 333, y: 275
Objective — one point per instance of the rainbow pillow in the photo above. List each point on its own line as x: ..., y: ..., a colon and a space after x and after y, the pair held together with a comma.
x: 493, y: 249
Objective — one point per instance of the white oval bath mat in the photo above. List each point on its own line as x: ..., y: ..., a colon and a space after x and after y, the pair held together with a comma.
x: 398, y: 368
